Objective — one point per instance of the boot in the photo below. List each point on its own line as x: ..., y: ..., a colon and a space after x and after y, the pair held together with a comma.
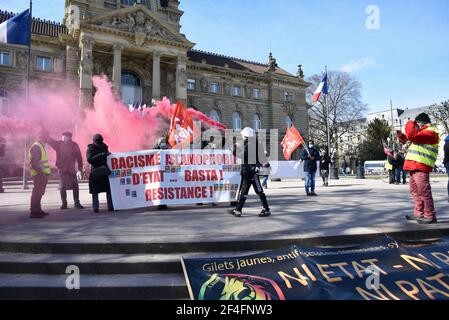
x: 64, y: 206
x: 37, y: 215
x: 78, y: 205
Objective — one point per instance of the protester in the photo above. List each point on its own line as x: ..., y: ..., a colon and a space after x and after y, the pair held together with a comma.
x: 420, y: 161
x: 446, y: 162
x: 399, y: 168
x: 391, y: 169
x: 343, y: 167
x: 249, y: 170
x: 68, y: 155
x: 161, y: 144
x: 325, y: 163
x: 97, y: 154
x: 310, y: 157
x: 266, y: 174
x: 39, y: 172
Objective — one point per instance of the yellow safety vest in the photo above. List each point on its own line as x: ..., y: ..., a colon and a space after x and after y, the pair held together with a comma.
x: 45, y: 166
x: 425, y: 153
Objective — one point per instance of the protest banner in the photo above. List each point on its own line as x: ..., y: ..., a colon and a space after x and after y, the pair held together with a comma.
x: 168, y: 177
x: 381, y: 270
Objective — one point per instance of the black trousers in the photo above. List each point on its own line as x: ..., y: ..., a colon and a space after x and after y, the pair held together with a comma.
x: 245, y: 186
x: 39, y: 185
x: 68, y: 181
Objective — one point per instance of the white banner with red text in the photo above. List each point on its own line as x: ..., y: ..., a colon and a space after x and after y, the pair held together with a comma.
x: 172, y: 177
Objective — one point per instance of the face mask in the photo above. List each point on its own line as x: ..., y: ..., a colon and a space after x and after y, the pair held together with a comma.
x: 163, y: 145
x: 311, y: 146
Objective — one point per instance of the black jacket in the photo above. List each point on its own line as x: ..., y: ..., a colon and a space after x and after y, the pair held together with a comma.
x: 325, y: 163
x: 251, y: 161
x: 68, y: 155
x: 309, y: 164
x: 96, y: 157
x: 446, y: 152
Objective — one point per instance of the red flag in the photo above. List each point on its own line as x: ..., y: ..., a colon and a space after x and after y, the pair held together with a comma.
x: 291, y: 142
x: 182, y: 129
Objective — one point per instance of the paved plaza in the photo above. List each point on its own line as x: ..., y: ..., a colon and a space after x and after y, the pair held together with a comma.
x: 348, y: 207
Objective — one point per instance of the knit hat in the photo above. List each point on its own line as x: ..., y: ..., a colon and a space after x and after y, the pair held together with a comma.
x: 423, y: 118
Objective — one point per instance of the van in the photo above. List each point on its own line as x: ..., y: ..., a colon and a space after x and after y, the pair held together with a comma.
x: 375, y: 167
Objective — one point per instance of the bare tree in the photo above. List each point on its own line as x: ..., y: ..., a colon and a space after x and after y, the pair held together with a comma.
x: 344, y: 105
x: 440, y: 112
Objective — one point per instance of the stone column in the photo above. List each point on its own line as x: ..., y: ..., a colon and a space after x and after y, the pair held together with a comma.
x: 181, y: 79
x: 85, y: 71
x: 156, y: 76
x: 117, y: 69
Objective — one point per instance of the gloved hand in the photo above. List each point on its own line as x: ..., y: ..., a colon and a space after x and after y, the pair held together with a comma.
x: 79, y: 175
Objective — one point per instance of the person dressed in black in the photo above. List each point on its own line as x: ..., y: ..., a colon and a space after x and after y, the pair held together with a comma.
x: 249, y: 171
x: 392, y: 172
x: 97, y: 155
x: 161, y: 144
x: 324, y: 168
x: 310, y: 157
x: 68, y: 158
x: 400, y: 172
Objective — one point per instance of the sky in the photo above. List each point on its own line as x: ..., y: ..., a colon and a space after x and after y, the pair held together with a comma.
x: 405, y: 57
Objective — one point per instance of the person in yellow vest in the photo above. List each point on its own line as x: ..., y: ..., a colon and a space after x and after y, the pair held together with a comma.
x: 420, y: 161
x: 39, y: 172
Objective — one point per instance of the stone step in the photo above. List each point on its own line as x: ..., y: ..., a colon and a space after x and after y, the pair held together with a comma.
x: 222, y: 245
x: 104, y: 264
x: 137, y: 286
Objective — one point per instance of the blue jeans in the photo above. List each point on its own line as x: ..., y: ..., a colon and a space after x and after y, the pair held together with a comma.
x: 310, y: 181
x: 447, y: 171
x: 399, y: 173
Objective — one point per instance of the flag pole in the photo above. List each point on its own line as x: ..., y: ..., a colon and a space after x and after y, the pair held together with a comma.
x: 327, y: 120
x: 24, y: 173
x: 392, y: 123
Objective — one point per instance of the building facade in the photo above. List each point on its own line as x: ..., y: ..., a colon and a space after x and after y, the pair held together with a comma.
x: 140, y: 47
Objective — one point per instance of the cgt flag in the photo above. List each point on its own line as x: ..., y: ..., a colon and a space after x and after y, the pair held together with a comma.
x: 17, y: 29
x: 182, y: 129
x: 291, y: 142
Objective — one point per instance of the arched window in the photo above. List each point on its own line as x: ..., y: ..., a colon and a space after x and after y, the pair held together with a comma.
x: 131, y: 88
x: 288, y: 122
x: 214, y: 115
x: 257, y: 123
x: 236, y: 121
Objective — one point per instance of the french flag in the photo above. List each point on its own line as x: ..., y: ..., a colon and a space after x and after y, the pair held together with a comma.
x: 17, y: 30
x: 322, y: 89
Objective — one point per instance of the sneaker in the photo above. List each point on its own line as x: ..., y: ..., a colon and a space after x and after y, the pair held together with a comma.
x: 64, y: 206
x: 235, y: 213
x: 78, y: 206
x: 37, y: 215
x: 424, y: 220
x: 412, y: 217
x: 265, y: 213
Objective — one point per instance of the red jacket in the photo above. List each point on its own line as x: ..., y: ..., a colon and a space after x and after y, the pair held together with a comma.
x: 418, y: 136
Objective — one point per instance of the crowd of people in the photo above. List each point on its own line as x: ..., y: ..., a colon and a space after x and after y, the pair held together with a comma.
x: 421, y: 135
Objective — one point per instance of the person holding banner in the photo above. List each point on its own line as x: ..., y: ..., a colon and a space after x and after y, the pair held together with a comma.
x: 251, y: 166
x: 310, y: 156
x: 97, y: 155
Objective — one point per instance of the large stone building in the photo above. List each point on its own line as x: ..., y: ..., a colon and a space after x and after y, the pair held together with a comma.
x: 140, y: 47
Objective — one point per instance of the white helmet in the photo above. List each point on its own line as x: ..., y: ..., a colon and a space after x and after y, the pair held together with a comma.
x: 247, y: 132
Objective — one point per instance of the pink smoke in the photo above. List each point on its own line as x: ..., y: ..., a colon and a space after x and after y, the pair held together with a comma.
x: 57, y: 111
